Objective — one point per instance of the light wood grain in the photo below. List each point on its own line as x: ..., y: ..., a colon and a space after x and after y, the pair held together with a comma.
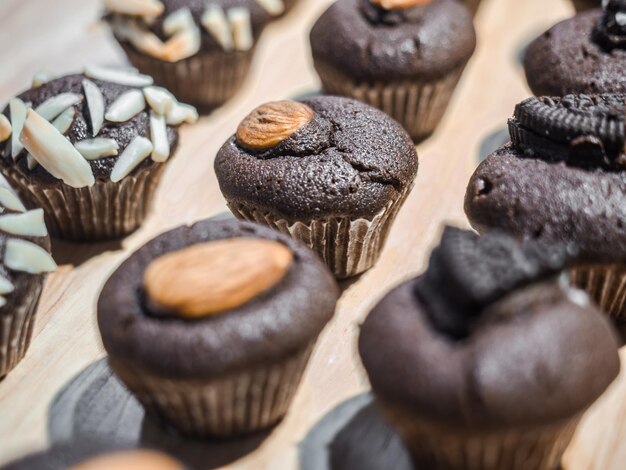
x: 64, y: 34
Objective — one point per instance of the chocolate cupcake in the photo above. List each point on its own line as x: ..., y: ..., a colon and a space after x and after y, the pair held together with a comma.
x: 584, y: 54
x: 562, y: 179
x: 489, y: 359
x: 211, y: 326
x: 200, y: 50
x: 472, y: 5
x: 331, y: 172
x: 582, y: 5
x: 402, y: 56
x: 90, y: 149
x: 25, y: 261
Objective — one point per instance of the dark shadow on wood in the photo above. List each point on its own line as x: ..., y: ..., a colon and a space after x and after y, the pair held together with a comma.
x: 75, y: 254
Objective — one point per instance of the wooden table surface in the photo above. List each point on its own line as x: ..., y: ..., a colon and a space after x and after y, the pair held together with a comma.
x: 64, y: 35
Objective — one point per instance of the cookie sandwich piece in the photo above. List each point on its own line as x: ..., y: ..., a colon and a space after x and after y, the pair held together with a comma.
x: 331, y: 172
x: 489, y: 359
x: 211, y: 326
x: 90, y: 149
x: 402, y: 56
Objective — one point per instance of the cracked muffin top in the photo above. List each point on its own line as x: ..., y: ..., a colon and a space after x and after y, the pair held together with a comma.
x: 326, y: 156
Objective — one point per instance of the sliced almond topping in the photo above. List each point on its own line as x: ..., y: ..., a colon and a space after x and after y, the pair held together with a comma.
x: 135, y: 7
x: 95, y: 149
x: 10, y: 200
x: 42, y: 77
x: 6, y: 286
x: 399, y: 4
x: 120, y: 76
x: 126, y: 107
x: 5, y: 128
x: 178, y: 21
x: 18, y: 116
x: 241, y: 26
x: 215, y: 22
x: 158, y: 134
x: 3, y: 302
x: 184, y: 44
x: 213, y: 277
x: 273, y: 7
x: 136, y: 152
x: 140, y: 37
x: 25, y: 256
x: 54, y: 152
x: 31, y: 163
x: 65, y: 120
x: 28, y: 224
x: 180, y: 113
x: 95, y: 103
x: 54, y: 106
x: 160, y: 100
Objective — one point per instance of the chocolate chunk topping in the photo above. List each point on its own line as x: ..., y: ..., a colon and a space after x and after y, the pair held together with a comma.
x: 610, y: 32
x: 467, y: 273
x: 588, y: 131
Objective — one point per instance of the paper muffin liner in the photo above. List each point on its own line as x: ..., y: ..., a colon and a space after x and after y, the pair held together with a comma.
x: 245, y: 402
x: 104, y: 211
x: 16, y: 329
x: 606, y: 285
x: 435, y: 446
x: 418, y: 105
x: 348, y: 246
x: 206, y: 80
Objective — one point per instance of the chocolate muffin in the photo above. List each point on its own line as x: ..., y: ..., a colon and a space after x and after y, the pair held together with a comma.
x: 562, y: 179
x: 211, y: 326
x: 90, y: 149
x: 25, y: 261
x: 489, y: 359
x: 584, y: 54
x: 472, y: 5
x: 200, y: 50
x: 331, y: 172
x: 404, y: 57
x: 582, y: 5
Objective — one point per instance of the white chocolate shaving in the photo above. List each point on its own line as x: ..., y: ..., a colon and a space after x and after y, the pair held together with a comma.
x: 10, y: 200
x: 95, y: 103
x: 215, y: 22
x: 5, y: 128
x: 119, y: 76
x: 31, y: 163
x: 18, y: 116
x: 182, y: 45
x: 136, y: 152
x: 158, y: 134
x: 65, y: 120
x: 273, y: 7
x: 178, y: 21
x: 54, y: 106
x: 25, y: 256
x: 160, y: 100
x: 126, y: 106
x: 3, y: 302
x: 28, y: 224
x: 180, y: 113
x: 95, y: 149
x: 241, y: 26
x: 6, y: 286
x: 42, y: 77
x: 135, y: 7
x: 54, y: 152
x: 620, y: 18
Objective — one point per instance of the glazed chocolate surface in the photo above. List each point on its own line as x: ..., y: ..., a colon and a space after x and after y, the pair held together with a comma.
x: 123, y: 133
x: 568, y: 58
x: 350, y: 160
x: 270, y: 327
x: 369, y: 43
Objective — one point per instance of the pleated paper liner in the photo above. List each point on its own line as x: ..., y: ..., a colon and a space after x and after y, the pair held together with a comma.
x: 104, y: 211
x: 246, y: 402
x: 606, y: 285
x: 418, y: 105
x: 206, y: 80
x: 16, y: 329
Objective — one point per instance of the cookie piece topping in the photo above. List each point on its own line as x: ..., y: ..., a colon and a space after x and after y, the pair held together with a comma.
x: 271, y: 123
x: 213, y: 277
x: 610, y: 32
x: 399, y: 4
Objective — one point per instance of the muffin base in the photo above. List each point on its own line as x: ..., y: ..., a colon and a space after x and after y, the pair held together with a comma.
x: 205, y: 80
x: 348, y: 246
x: 245, y: 402
x: 104, y: 211
x: 16, y: 330
x: 418, y: 105
x: 606, y: 285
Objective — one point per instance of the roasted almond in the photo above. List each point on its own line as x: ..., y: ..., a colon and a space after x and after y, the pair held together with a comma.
x: 399, y: 4
x: 216, y: 276
x: 130, y: 460
x: 270, y: 124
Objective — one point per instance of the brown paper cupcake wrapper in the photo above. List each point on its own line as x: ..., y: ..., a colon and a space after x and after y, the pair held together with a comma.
x: 104, y: 211
x: 606, y: 285
x: 418, y: 105
x: 348, y: 246
x: 16, y: 330
x: 206, y: 80
x: 246, y: 402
